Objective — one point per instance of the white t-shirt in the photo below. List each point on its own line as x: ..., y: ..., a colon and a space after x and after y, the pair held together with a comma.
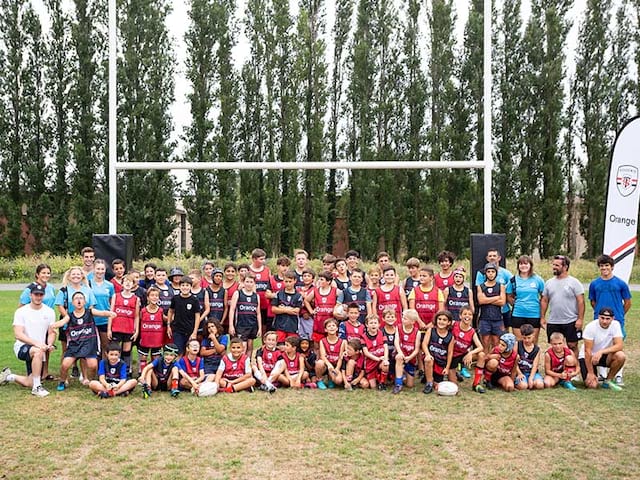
x: 35, y: 322
x: 601, y: 337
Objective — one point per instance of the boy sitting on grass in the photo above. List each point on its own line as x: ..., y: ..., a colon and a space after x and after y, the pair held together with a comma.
x: 112, y: 375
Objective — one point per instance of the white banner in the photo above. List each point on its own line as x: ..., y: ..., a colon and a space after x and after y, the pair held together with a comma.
x: 623, y: 198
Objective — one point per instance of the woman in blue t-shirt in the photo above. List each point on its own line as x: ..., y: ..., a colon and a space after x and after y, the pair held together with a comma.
x: 524, y: 291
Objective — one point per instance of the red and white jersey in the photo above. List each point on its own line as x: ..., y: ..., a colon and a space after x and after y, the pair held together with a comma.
x: 408, y: 341
x: 324, y: 305
x: 389, y: 300
x: 506, y: 364
x: 152, y: 328
x: 125, y: 310
x: 292, y: 364
x: 332, y: 350
x: 462, y: 340
x: 232, y: 368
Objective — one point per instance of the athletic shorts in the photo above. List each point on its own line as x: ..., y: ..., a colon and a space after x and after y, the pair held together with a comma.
x: 537, y: 376
x: 568, y: 330
x: 517, y: 322
x: 282, y: 336
x: 317, y: 337
x: 410, y: 369
x: 305, y: 328
x: 438, y: 377
x: 491, y: 327
x: 601, y: 363
x: 249, y: 332
x: 455, y: 361
x: 102, y: 328
x: 146, y: 351
x: 495, y: 376
x: 23, y: 354
x: 121, y: 337
x: 506, y: 319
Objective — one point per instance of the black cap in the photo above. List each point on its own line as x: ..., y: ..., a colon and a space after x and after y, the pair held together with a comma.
x: 606, y: 312
x: 36, y: 288
x: 175, y: 271
x: 490, y: 266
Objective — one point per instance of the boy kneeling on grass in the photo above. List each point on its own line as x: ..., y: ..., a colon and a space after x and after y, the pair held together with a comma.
x: 502, y: 362
x: 112, y: 375
x: 234, y: 372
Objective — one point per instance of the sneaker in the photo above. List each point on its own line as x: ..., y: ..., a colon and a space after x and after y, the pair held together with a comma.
x: 3, y: 375
x: 428, y: 388
x: 271, y: 388
x: 396, y: 389
x: 175, y: 392
x: 146, y: 393
x: 311, y: 385
x: 263, y: 387
x: 619, y: 381
x: 465, y: 373
x: 382, y: 387
x: 611, y: 385
x: 423, y: 378
x: 103, y: 395
x: 228, y: 389
x: 331, y: 384
x: 459, y: 377
x: 569, y: 386
x: 479, y: 388
x: 321, y: 385
x: 39, y: 391
x: 61, y: 387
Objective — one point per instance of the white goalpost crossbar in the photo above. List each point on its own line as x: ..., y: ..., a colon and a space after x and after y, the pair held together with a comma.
x: 114, y: 165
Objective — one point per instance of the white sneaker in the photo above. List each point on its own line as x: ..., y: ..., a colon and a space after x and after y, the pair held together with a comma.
x: 619, y: 381
x: 39, y: 391
x: 3, y: 375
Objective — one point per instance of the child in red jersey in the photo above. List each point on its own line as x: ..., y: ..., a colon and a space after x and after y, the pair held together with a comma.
x: 374, y: 274
x: 262, y: 274
x: 119, y: 269
x: 502, y: 363
x: 320, y: 303
x: 152, y: 329
x: 560, y: 365
x: 466, y: 344
x: 444, y: 279
x: 407, y: 346
x: 389, y: 295
x: 305, y: 318
x: 264, y: 363
x: 438, y: 350
x: 352, y: 328
x: 125, y: 327
x: 276, y: 283
x: 353, y: 365
x: 230, y: 285
x: 191, y: 369
x: 426, y: 298
x: 234, y: 373
x: 376, y: 353
x: 291, y: 372
x: 413, y: 280
x: 332, y: 350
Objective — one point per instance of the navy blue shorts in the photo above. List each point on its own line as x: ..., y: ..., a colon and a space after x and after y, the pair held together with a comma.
x: 23, y: 354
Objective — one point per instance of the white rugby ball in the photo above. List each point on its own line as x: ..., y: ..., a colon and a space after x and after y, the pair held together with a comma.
x: 339, y: 311
x: 447, y: 389
x: 208, y: 389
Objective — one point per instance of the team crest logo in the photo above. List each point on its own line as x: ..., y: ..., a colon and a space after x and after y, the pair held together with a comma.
x: 354, y: 297
x: 490, y: 290
x: 459, y: 294
x: 627, y: 179
x: 288, y: 298
x: 215, y: 295
x: 387, y: 297
x: 126, y: 302
x: 80, y: 321
x: 406, y: 337
x: 188, y: 306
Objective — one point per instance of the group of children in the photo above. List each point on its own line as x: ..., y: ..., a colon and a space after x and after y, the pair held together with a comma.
x: 339, y: 328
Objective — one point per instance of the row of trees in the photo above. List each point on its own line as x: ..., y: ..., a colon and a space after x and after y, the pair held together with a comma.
x: 388, y: 81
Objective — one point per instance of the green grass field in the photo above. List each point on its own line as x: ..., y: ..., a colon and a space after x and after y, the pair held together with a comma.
x: 552, y: 434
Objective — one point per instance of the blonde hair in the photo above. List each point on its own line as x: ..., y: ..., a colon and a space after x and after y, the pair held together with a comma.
x: 65, y: 278
x: 411, y: 314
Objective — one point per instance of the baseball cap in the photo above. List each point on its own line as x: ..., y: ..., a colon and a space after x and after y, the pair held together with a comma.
x: 175, y: 271
x: 216, y: 271
x: 36, y: 288
x: 606, y: 312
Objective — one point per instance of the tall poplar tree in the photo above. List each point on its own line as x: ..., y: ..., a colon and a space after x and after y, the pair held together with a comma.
x: 146, y: 92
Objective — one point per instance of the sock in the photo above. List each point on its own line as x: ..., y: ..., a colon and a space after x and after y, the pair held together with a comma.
x: 142, y: 364
x: 126, y: 358
x: 11, y: 377
x: 399, y: 381
x: 174, y: 384
x: 36, y: 382
x: 478, y: 376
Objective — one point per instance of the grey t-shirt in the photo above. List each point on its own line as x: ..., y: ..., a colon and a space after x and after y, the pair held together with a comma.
x: 562, y: 293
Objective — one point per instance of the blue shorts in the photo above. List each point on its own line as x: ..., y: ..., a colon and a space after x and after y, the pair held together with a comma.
x: 491, y: 327
x: 410, y: 369
x: 537, y: 376
x: 25, y: 356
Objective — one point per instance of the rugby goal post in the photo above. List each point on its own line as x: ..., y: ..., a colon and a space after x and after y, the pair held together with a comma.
x: 114, y: 166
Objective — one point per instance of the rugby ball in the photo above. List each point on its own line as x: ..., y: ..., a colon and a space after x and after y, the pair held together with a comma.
x: 447, y: 389
x: 340, y: 312
x: 208, y: 389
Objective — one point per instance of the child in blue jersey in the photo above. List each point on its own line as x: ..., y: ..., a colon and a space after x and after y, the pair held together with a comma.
x: 527, y: 376
x: 112, y: 375
x: 524, y: 291
x: 162, y: 373
x: 354, y: 293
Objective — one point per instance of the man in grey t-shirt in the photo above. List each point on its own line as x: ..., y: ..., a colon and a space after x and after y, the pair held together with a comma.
x: 565, y: 295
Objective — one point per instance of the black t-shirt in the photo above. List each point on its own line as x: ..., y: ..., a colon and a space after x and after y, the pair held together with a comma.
x: 185, y: 309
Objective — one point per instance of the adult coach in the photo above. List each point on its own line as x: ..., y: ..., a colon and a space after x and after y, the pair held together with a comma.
x: 565, y: 294
x: 603, y: 347
x: 503, y: 278
x: 34, y: 339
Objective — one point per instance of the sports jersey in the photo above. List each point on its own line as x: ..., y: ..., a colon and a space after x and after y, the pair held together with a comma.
x: 233, y: 288
x: 304, y: 291
x: 491, y: 313
x: 525, y: 362
x: 184, y: 313
x: 103, y: 293
x: 275, y: 285
x: 216, y: 303
x: 408, y: 341
x: 390, y: 339
x: 557, y: 363
x: 232, y: 368
x: 211, y: 362
x: 162, y: 369
x: 358, y: 358
x: 427, y: 302
x: 332, y: 350
x: 324, y: 305
x: 112, y: 373
x: 125, y: 310
x: 462, y: 340
x: 527, y: 292
x: 49, y: 296
x: 438, y: 348
x: 292, y: 364
x: 269, y: 358
x: 347, y: 330
x: 152, y: 328
x: 262, y: 285
x: 117, y: 285
x: 389, y: 300
x: 82, y: 336
x: 506, y: 365
x: 284, y: 321
x: 191, y: 367
x: 609, y: 293
x: 502, y: 278
x: 342, y: 284
x: 200, y: 296
x: 409, y: 284
x: 65, y: 296
x: 456, y: 300
x: 166, y: 295
x: 246, y: 310
x: 443, y: 282
x: 141, y: 293
x: 360, y: 297
x: 375, y: 346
